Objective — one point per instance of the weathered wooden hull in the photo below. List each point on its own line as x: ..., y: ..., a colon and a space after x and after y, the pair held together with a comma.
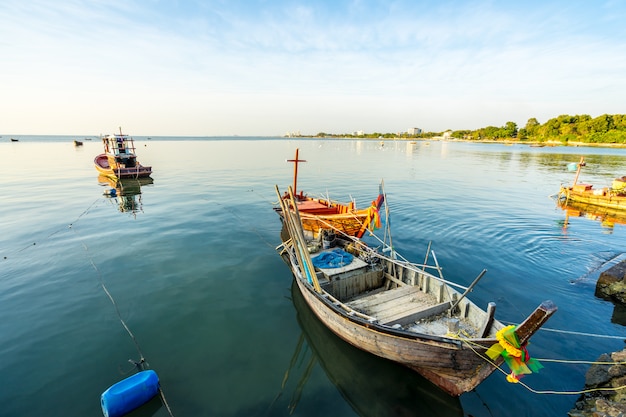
x: 453, y: 365
x: 101, y: 162
x: 373, y: 386
x: 608, y: 200
x: 445, y: 362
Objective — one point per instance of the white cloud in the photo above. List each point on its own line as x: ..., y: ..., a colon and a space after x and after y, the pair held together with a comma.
x: 264, y: 68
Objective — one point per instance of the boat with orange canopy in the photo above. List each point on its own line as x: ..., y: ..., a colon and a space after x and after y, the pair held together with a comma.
x: 319, y: 215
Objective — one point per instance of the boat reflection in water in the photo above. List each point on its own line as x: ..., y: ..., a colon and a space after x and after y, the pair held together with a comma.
x: 126, y: 192
x: 606, y: 216
x: 373, y: 386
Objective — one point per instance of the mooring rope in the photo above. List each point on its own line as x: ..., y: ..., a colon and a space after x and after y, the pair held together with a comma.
x: 604, y: 336
x: 142, y: 359
x: 60, y: 228
x: 471, y: 345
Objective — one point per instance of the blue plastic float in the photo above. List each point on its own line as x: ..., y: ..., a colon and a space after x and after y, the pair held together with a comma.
x: 130, y: 393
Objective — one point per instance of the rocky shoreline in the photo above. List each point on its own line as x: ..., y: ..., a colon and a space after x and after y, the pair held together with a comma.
x: 611, y: 378
x: 609, y: 374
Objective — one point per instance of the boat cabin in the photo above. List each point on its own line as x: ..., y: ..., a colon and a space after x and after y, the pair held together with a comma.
x: 120, y: 150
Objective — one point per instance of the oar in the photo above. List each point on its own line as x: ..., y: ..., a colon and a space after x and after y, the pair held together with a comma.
x: 468, y: 290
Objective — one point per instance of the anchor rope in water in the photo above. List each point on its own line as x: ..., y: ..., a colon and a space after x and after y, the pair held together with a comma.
x: 70, y: 226
x: 472, y: 344
x: 98, y: 200
x: 142, y: 359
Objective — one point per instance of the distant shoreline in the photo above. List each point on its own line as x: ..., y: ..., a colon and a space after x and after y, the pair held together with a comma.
x: 546, y: 144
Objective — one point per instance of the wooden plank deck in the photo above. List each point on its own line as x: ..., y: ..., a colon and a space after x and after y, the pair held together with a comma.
x: 400, y: 305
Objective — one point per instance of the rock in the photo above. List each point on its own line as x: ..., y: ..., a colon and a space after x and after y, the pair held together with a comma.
x: 609, y: 403
x: 612, y: 284
x: 598, y: 375
x: 609, y: 407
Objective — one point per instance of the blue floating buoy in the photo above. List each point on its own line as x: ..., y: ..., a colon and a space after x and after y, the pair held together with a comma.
x: 572, y: 166
x: 130, y: 393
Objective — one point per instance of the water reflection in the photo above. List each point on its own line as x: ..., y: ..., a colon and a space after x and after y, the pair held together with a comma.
x: 372, y: 386
x: 607, y: 217
x: 125, y: 192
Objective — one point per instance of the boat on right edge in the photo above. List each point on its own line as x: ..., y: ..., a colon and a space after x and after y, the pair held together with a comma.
x: 395, y: 309
x: 613, y: 197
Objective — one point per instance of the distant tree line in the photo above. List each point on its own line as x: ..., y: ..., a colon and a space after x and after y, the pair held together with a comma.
x: 565, y: 128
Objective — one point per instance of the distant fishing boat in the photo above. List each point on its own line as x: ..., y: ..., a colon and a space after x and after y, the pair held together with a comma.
x: 318, y: 214
x: 613, y: 197
x: 119, y: 159
x: 395, y: 309
x: 78, y: 143
x: 14, y: 140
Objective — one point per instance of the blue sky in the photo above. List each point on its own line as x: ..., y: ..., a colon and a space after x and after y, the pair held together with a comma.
x: 262, y: 67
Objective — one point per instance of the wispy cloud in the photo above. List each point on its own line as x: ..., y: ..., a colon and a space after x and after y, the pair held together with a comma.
x: 386, y: 64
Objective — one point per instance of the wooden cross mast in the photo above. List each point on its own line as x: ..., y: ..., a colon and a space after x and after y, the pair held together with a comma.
x: 295, y: 170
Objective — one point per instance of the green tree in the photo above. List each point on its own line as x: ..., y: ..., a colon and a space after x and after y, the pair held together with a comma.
x: 532, y: 127
x: 510, y: 130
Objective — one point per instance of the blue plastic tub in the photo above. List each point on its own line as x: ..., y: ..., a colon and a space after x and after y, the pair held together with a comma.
x: 130, y: 393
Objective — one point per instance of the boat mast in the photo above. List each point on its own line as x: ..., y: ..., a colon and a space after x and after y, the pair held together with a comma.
x: 580, y: 165
x: 295, y: 171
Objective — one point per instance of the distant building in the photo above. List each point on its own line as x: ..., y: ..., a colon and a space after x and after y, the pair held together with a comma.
x: 414, y: 131
x: 358, y: 133
x: 293, y: 134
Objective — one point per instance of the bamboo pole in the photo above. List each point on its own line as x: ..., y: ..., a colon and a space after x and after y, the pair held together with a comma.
x: 468, y: 290
x: 427, y: 253
x: 288, y: 223
x: 308, y: 263
x: 294, y: 227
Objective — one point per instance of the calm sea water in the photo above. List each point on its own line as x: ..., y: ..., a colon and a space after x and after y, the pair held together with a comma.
x: 195, y: 276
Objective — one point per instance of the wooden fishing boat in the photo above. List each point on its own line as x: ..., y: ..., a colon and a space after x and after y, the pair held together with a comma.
x: 613, y: 197
x: 119, y: 159
x: 319, y: 214
x: 398, y: 310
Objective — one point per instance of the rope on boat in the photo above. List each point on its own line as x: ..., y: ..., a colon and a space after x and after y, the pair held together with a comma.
x: 472, y: 344
x: 402, y: 261
x: 574, y: 333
